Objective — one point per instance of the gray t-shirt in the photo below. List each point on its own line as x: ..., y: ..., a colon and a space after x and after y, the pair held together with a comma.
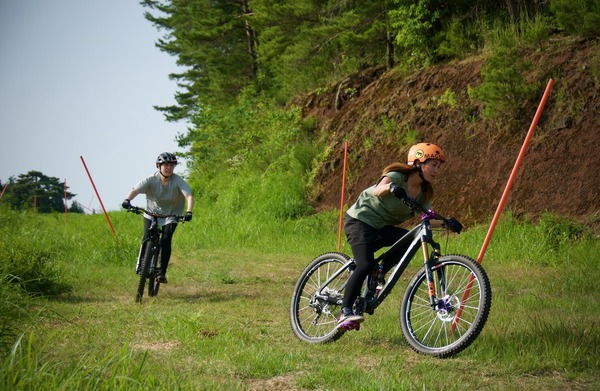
x: 387, y: 210
x: 164, y: 200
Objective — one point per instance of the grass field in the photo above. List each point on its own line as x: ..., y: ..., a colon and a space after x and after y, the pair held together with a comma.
x: 222, y: 322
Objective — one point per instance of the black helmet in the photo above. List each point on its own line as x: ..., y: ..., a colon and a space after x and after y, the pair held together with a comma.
x: 166, y: 157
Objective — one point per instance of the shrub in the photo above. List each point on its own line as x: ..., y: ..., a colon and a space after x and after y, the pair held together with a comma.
x: 504, y: 88
x: 579, y: 17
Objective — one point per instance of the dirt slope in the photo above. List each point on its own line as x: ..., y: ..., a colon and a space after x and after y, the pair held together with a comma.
x: 559, y: 171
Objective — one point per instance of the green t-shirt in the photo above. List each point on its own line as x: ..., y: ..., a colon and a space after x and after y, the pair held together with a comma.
x: 387, y: 210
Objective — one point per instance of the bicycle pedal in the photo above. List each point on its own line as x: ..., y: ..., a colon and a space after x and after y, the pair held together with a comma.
x: 349, y: 326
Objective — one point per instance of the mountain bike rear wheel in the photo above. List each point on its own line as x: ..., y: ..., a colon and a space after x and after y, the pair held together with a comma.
x: 461, y: 311
x: 314, y: 305
x: 149, y: 249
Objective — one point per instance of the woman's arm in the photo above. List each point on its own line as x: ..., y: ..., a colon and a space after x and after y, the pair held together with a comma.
x: 383, y: 187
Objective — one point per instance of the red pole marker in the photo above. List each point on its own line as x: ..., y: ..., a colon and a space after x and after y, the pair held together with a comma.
x: 342, y: 197
x: 509, y: 184
x: 99, y: 199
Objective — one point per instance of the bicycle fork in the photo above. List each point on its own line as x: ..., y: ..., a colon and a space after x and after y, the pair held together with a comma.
x: 428, y: 259
x: 445, y: 306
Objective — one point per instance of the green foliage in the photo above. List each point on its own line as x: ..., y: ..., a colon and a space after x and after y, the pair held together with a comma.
x: 504, y: 88
x: 595, y: 65
x: 458, y: 40
x: 535, y: 31
x: 29, y: 254
x: 559, y: 231
x: 253, y: 158
x: 15, y: 312
x: 34, y: 190
x: 416, y: 24
x: 28, y: 267
x: 306, y: 44
x: 222, y: 322
x: 409, y: 136
x: 448, y: 98
x: 114, y: 370
x: 285, y: 48
x: 579, y: 17
x: 214, y: 46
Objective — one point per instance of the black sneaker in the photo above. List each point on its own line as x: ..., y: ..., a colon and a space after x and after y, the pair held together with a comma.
x: 162, y: 279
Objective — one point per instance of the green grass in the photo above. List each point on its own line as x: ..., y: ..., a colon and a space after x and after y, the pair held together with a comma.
x: 222, y: 321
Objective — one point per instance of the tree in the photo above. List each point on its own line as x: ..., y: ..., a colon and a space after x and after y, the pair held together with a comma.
x: 214, y: 43
x: 76, y: 207
x: 36, y: 190
x: 305, y: 44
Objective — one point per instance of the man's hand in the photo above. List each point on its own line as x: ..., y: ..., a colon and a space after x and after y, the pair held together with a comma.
x: 126, y: 204
x: 188, y: 216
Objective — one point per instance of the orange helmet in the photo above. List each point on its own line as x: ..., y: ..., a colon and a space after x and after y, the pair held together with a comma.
x: 423, y: 151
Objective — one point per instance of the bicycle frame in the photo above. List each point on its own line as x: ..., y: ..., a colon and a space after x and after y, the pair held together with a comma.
x: 429, y: 313
x: 419, y: 236
x: 148, y: 256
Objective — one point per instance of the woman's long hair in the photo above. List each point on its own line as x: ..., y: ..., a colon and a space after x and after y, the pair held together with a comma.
x: 407, y: 170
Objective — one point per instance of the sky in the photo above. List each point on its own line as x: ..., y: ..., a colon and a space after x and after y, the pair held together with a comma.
x: 79, y: 79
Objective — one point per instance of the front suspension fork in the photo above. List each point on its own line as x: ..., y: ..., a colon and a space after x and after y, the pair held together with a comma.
x: 428, y: 259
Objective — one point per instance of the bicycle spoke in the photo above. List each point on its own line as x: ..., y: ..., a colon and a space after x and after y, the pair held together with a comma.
x: 453, y: 324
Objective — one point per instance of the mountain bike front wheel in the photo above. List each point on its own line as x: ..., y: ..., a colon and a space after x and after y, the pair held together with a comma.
x: 149, y: 250
x: 153, y: 281
x: 464, y: 298
x: 317, y: 298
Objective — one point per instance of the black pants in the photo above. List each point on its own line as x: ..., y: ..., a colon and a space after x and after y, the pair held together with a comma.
x: 365, y: 241
x: 168, y: 231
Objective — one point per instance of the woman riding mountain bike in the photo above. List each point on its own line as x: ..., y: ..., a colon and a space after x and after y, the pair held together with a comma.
x: 166, y: 194
x: 371, y: 221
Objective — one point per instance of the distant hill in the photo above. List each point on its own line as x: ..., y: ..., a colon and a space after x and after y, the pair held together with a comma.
x: 560, y: 169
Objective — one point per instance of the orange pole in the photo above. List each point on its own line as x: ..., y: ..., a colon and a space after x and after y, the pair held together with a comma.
x: 509, y: 184
x: 513, y: 174
x: 99, y: 199
x: 3, y: 190
x: 342, y: 197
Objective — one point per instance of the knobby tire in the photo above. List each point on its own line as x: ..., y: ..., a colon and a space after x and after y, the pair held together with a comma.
x: 313, y: 319
x: 144, y: 269
x: 153, y: 283
x: 441, y: 333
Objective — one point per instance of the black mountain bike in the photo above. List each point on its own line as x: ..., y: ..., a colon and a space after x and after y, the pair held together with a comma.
x: 148, y: 262
x: 444, y: 308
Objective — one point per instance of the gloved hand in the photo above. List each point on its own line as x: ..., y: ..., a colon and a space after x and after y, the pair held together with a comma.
x: 126, y: 204
x: 397, y: 191
x: 454, y: 225
x: 188, y: 216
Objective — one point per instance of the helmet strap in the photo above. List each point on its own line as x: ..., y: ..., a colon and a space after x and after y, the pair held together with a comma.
x: 424, y: 183
x: 160, y: 171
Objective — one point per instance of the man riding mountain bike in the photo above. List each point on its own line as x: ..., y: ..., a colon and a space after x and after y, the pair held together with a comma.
x: 166, y: 194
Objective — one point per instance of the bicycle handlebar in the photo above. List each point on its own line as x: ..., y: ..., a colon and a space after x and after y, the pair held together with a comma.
x: 137, y: 210
x: 428, y: 214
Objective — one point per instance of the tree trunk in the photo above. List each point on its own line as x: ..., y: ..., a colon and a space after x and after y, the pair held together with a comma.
x: 251, y: 39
